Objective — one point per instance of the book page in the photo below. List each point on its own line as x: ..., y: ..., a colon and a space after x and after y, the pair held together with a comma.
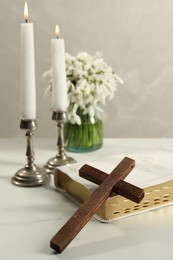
x: 151, y: 168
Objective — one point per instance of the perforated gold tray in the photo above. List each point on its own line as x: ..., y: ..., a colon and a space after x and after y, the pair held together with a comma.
x: 117, y: 206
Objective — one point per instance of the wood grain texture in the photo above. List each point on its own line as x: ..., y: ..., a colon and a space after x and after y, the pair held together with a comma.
x: 79, y: 219
x: 122, y: 187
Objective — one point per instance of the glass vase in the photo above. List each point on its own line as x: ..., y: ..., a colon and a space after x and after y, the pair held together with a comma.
x: 85, y: 137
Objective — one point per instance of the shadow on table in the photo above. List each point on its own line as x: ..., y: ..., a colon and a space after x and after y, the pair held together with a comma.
x: 97, y: 248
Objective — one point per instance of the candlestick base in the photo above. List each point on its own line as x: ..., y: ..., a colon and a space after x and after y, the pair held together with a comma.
x: 61, y: 158
x: 56, y: 161
x: 31, y: 176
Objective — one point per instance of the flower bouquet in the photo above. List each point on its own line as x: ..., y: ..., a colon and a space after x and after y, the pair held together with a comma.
x: 89, y: 82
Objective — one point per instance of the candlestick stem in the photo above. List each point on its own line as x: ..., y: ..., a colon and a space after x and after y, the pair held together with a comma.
x: 61, y: 158
x: 60, y: 141
x: 30, y: 175
x: 30, y: 150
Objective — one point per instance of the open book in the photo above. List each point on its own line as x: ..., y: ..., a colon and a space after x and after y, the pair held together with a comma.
x: 153, y: 172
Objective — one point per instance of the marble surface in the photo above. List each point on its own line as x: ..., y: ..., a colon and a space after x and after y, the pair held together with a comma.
x: 29, y: 217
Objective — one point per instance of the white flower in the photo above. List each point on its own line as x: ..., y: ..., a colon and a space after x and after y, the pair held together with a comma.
x: 90, y: 81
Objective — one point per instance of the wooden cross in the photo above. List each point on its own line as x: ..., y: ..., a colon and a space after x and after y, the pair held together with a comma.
x: 80, y: 218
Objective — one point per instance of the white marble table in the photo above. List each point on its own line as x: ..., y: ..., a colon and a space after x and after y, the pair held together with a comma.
x: 29, y: 217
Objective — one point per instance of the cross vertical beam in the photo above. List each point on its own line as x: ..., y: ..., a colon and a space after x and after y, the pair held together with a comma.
x: 80, y: 218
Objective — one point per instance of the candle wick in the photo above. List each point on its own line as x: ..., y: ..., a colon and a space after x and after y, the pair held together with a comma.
x: 26, y: 20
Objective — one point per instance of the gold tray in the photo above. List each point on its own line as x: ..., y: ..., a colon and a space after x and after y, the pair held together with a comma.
x: 116, y: 206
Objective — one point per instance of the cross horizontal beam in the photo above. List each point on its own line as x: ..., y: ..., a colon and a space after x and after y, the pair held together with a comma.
x: 122, y: 187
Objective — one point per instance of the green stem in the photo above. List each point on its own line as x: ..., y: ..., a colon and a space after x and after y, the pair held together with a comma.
x: 84, y: 137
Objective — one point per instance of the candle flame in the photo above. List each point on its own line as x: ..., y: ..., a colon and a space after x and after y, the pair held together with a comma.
x: 26, y: 11
x: 57, y: 31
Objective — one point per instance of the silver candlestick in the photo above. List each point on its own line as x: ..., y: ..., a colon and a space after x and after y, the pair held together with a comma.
x: 61, y: 158
x: 30, y: 175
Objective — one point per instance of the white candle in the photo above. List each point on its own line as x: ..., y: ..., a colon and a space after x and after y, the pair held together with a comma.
x: 59, y: 92
x: 28, y: 91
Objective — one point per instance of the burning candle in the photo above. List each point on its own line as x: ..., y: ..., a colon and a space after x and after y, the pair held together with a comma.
x: 59, y: 91
x: 28, y: 91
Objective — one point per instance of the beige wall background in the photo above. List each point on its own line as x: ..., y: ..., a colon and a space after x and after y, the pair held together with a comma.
x: 136, y: 39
